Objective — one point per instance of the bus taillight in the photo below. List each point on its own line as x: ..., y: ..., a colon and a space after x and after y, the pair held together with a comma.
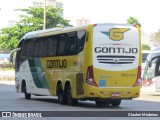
x: 94, y: 25
x: 90, y: 76
x: 138, y: 81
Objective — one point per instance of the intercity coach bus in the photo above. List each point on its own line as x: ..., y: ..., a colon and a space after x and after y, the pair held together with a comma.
x: 98, y: 62
x: 151, y: 74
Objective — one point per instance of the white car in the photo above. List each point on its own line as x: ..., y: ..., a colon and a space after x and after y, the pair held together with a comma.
x: 4, y: 61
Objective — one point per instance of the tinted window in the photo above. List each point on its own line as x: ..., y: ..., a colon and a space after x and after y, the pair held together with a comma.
x: 71, y: 43
x: 30, y: 49
x: 52, y: 45
x: 58, y: 45
x: 36, y: 48
x: 61, y: 46
x: 75, y: 42
x: 26, y: 49
x: 41, y: 47
x: 81, y: 36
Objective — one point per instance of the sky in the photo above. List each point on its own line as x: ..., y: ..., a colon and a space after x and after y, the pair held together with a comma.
x: 97, y: 11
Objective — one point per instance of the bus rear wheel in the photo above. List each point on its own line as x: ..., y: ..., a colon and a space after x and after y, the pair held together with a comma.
x: 115, y: 103
x: 71, y: 101
x: 61, y: 95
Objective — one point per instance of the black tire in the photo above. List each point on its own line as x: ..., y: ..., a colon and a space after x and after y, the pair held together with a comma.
x: 27, y: 96
x: 61, y: 95
x: 102, y: 102
x: 24, y: 89
x: 115, y: 103
x: 71, y: 101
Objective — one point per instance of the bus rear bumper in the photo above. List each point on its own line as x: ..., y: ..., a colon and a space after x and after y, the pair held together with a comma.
x: 112, y: 93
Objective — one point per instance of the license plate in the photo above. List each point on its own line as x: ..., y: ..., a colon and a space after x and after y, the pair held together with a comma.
x: 115, y: 94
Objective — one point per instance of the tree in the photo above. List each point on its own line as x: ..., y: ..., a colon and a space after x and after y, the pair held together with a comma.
x: 145, y: 47
x: 34, y: 18
x: 133, y: 21
x: 9, y: 38
x: 157, y: 36
x: 31, y: 20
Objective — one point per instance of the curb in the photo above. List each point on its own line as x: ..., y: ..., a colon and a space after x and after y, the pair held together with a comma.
x: 8, y: 82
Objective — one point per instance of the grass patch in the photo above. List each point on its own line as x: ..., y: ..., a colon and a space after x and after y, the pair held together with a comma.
x: 7, y: 67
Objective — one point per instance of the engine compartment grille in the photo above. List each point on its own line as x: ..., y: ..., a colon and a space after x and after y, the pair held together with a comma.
x: 115, y: 59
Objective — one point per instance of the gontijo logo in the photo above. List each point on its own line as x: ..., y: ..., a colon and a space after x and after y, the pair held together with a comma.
x: 116, y: 33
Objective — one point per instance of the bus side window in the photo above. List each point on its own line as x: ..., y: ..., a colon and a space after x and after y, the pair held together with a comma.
x: 71, y: 43
x: 42, y: 47
x: 45, y: 47
x: 36, y: 48
x: 26, y: 50
x: 81, y: 36
x: 52, y: 46
x: 61, y: 45
x: 32, y: 49
x: 55, y: 45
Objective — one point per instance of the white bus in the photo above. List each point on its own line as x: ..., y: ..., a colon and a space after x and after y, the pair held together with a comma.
x: 151, y: 74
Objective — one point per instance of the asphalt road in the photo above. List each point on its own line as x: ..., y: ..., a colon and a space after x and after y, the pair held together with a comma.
x: 12, y: 101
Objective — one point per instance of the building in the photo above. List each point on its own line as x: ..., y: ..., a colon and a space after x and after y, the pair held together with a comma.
x: 40, y: 3
x: 145, y: 38
x: 60, y: 5
x: 52, y: 3
x: 34, y: 3
x: 83, y: 21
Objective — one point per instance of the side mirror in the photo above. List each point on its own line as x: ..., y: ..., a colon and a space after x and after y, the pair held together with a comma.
x: 12, y: 58
x: 149, y: 64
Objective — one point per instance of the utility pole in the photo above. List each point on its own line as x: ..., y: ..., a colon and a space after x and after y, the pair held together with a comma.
x: 44, y: 21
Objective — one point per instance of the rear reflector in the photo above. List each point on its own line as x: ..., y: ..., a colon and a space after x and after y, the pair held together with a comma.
x: 138, y: 81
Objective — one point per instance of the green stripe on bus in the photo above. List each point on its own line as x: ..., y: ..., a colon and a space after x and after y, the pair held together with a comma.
x: 41, y: 73
x: 34, y: 72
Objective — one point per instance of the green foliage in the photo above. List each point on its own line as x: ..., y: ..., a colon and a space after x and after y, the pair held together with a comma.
x: 9, y: 38
x: 133, y: 21
x: 145, y: 47
x: 31, y: 20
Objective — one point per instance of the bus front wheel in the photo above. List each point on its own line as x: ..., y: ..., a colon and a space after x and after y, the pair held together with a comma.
x: 71, y: 101
x: 24, y: 90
